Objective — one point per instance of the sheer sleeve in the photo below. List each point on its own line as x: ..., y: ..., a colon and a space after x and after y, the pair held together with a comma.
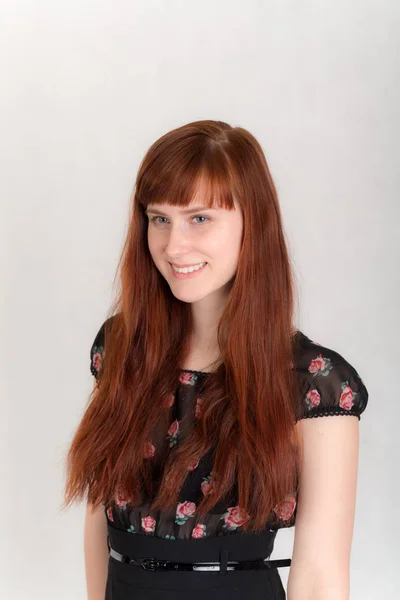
x: 331, y: 385
x: 97, y: 353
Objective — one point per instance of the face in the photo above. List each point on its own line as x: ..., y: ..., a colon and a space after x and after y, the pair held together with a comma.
x: 192, y: 237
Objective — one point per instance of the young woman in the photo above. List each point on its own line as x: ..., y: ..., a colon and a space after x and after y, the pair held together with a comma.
x: 197, y: 444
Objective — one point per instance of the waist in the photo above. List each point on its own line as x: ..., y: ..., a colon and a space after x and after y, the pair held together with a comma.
x: 235, y: 546
x: 152, y: 564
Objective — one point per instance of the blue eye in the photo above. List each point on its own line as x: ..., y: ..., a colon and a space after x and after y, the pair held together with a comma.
x: 154, y: 219
x: 201, y: 217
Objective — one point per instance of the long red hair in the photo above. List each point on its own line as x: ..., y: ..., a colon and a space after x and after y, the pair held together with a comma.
x: 250, y: 401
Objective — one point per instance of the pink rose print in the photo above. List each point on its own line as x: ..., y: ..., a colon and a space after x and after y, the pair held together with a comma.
x: 173, y: 433
x: 121, y: 500
x: 320, y: 365
x: 109, y: 514
x: 149, y: 450
x: 188, y: 378
x: 174, y: 427
x: 193, y: 465
x: 206, y: 485
x: 199, y: 531
x: 149, y: 524
x: 198, y: 407
x: 169, y: 401
x: 347, y: 396
x: 234, y: 517
x: 97, y: 361
x: 313, y: 398
x: 285, y: 508
x: 184, y: 511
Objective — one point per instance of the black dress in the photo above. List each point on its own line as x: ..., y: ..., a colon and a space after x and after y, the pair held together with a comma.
x: 330, y: 386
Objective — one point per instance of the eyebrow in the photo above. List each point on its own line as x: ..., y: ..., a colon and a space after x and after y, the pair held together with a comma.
x: 183, y: 212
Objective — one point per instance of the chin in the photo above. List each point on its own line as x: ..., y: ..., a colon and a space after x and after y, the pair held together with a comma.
x: 188, y: 297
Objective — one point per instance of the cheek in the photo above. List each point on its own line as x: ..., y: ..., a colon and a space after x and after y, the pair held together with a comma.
x: 222, y: 242
x: 226, y: 247
x: 155, y: 244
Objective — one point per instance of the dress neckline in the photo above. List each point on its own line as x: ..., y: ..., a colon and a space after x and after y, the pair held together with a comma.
x: 196, y: 372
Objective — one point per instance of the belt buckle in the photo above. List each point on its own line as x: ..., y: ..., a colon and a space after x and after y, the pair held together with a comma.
x: 150, y: 564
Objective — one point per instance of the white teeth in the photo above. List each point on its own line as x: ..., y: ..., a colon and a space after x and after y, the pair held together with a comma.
x: 189, y: 269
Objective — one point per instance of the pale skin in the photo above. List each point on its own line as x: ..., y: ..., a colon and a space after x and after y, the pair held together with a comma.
x: 96, y: 552
x: 320, y: 568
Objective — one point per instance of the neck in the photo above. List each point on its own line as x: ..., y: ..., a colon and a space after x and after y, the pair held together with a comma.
x: 206, y: 316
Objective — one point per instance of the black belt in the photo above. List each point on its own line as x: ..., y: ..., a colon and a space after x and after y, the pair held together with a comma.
x: 153, y: 564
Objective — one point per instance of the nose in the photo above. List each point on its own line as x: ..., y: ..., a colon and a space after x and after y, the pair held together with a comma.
x: 178, y: 240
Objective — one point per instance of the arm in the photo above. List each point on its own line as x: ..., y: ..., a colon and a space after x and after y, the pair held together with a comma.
x: 96, y: 553
x: 320, y: 568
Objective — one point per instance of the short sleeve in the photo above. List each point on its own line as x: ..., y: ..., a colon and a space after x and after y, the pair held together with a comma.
x: 332, y: 386
x: 97, y: 353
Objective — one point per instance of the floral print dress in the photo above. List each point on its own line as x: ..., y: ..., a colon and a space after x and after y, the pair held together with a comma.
x: 330, y: 386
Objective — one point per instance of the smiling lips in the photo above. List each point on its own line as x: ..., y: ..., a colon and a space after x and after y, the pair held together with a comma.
x: 186, y: 266
x: 189, y: 268
x: 187, y: 271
